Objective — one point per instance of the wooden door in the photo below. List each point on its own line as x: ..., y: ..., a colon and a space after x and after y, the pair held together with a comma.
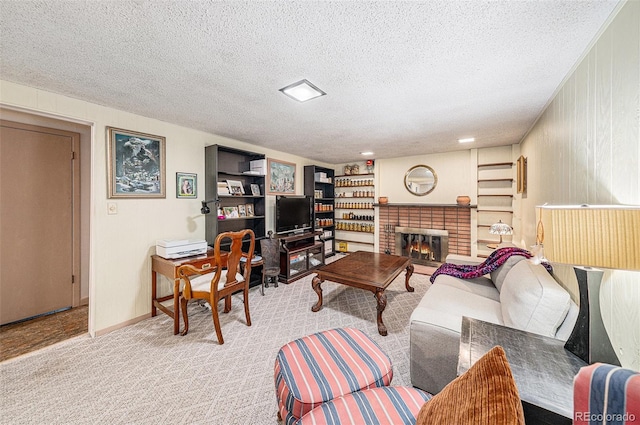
x: 39, y: 221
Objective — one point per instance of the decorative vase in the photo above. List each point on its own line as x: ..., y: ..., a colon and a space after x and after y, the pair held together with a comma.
x: 383, y: 200
x: 347, y: 170
x: 355, y: 169
x: 463, y: 200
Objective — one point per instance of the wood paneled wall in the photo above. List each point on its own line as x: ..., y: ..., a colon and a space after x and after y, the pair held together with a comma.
x: 585, y: 149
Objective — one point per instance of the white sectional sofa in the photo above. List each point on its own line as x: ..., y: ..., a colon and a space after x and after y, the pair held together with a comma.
x: 518, y: 294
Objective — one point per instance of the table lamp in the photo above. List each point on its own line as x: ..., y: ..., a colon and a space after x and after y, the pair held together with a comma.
x: 587, y: 236
x: 501, y: 229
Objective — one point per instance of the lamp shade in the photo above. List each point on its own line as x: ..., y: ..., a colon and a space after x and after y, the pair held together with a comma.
x: 500, y: 228
x: 603, y: 236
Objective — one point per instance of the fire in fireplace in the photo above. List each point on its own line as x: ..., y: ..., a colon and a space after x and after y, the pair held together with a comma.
x: 424, y: 246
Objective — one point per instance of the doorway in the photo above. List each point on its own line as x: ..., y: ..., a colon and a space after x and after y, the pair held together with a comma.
x: 40, y: 223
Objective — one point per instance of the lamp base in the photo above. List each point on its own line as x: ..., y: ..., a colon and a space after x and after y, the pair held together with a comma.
x: 589, y: 339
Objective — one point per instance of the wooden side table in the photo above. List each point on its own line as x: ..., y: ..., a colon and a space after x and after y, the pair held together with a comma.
x: 542, y: 368
x: 169, y: 268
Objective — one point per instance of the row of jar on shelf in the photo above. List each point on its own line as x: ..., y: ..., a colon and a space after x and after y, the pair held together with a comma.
x: 355, y: 205
x: 319, y: 207
x: 356, y: 227
x: 352, y: 216
x: 357, y: 194
x: 352, y: 183
x: 324, y: 222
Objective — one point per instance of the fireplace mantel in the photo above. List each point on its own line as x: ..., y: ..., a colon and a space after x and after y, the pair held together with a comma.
x: 424, y: 205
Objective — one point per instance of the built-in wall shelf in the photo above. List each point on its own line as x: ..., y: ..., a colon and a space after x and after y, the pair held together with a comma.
x: 495, y: 180
x: 496, y: 164
x: 355, y: 226
x: 495, y: 193
x: 496, y: 210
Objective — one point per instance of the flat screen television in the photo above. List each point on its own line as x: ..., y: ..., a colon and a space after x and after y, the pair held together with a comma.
x: 294, y: 214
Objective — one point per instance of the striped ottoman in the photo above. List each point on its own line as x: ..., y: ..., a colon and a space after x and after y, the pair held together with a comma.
x: 606, y: 394
x: 384, y: 405
x: 320, y: 367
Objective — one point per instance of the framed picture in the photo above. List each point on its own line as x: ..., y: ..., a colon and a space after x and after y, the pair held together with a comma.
x: 282, y: 177
x: 230, y: 212
x: 522, y: 174
x: 241, y: 211
x: 186, y: 185
x: 235, y: 187
x: 136, y: 164
x: 255, y: 190
x: 249, y: 210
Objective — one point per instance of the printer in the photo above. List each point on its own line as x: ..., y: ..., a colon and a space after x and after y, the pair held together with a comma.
x: 173, y: 248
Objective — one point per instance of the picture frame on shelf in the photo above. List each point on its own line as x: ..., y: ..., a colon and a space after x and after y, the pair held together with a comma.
x: 241, y: 211
x: 255, y: 189
x: 281, y: 178
x: 186, y: 185
x: 249, y: 210
x: 235, y: 187
x: 230, y: 212
x: 136, y: 164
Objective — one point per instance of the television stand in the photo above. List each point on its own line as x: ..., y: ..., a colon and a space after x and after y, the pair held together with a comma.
x: 300, y: 254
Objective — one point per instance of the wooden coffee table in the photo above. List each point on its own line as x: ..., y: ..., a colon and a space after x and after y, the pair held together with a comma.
x: 365, y: 270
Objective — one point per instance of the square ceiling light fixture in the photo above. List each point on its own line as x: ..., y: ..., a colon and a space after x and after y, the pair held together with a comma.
x: 302, y: 91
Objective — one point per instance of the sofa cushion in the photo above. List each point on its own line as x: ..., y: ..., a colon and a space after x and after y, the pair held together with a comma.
x: 444, y: 306
x: 499, y: 274
x: 485, y: 394
x: 532, y: 300
x: 480, y: 285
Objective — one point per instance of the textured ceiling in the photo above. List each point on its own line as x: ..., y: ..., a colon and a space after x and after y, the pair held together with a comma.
x: 402, y: 78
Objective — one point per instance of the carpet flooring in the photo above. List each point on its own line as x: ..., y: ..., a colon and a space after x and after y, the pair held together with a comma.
x: 143, y: 374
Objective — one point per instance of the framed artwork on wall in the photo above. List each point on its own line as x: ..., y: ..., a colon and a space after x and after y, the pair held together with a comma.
x: 135, y: 164
x: 186, y: 185
x: 522, y: 174
x: 282, y: 177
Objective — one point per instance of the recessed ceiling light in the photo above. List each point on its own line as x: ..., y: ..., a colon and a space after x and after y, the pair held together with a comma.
x: 367, y: 153
x: 302, y: 91
x: 467, y: 140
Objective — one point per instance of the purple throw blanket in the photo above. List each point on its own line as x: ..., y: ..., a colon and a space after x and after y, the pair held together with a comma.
x: 493, y: 261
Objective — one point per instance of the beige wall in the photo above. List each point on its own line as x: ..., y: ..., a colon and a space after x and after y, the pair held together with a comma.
x: 585, y: 148
x: 119, y: 269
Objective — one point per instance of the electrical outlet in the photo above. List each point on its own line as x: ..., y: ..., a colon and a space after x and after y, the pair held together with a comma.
x: 112, y: 208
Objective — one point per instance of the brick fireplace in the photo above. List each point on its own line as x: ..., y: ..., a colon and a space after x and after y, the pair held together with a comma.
x: 447, y: 226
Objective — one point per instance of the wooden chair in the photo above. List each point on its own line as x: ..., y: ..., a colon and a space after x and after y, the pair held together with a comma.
x: 271, y: 256
x: 222, y: 279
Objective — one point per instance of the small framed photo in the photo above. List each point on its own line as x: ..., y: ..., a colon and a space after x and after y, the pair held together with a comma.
x: 255, y: 190
x: 241, y: 211
x: 235, y: 187
x: 230, y: 212
x: 186, y: 185
x: 249, y: 209
x: 136, y: 164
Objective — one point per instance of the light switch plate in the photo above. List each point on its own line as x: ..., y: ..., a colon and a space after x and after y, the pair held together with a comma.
x: 112, y: 208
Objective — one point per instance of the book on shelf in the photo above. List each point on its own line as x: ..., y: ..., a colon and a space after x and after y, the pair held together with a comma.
x: 223, y: 189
